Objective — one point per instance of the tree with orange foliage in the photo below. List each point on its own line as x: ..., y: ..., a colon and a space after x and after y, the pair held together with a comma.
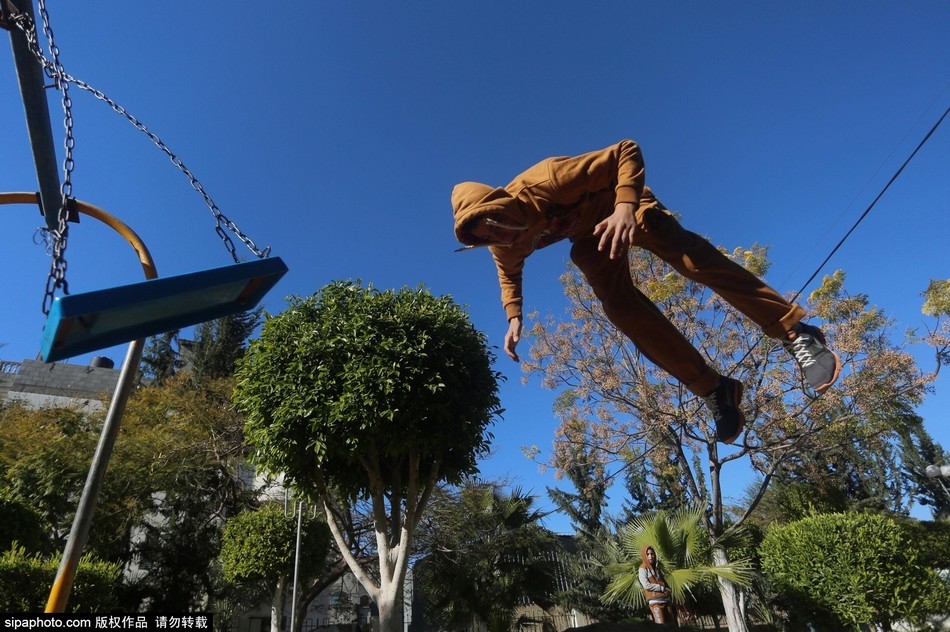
x: 618, y: 408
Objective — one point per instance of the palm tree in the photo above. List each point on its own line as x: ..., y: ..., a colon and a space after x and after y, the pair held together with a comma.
x: 487, y: 556
x: 682, y: 545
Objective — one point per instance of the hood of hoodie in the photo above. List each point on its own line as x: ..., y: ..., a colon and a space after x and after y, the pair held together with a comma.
x: 472, y: 200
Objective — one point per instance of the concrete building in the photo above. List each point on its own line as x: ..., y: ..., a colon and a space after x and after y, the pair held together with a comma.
x: 38, y: 384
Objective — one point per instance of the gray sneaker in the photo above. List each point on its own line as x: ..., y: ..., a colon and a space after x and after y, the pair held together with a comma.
x: 820, y: 366
x: 723, y: 402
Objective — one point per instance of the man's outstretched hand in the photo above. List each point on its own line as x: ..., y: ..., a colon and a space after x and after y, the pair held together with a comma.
x: 513, y: 337
x: 618, y: 230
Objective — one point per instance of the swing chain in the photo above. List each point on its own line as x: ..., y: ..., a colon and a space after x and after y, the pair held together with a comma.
x: 221, y: 221
x: 55, y: 71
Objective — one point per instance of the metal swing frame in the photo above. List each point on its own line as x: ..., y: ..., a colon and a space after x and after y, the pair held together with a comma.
x: 85, y: 322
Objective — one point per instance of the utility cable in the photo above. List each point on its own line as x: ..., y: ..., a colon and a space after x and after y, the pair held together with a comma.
x: 873, y: 202
x: 866, y: 212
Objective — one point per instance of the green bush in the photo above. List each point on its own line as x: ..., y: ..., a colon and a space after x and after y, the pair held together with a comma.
x: 850, y: 569
x: 25, y: 582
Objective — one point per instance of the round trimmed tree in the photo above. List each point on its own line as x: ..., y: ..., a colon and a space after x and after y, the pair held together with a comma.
x: 259, y: 547
x: 360, y: 394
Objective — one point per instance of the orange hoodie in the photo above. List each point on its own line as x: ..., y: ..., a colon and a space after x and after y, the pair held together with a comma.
x: 558, y: 198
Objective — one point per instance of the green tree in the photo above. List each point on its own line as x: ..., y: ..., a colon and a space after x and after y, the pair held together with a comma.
x: 44, y: 457
x: 922, y: 451
x: 931, y: 539
x: 176, y: 554
x: 356, y: 393
x: 887, y: 478
x: 690, y: 560
x: 486, y: 554
x: 584, y: 507
x: 851, y: 570
x: 160, y: 359
x: 937, y: 300
x: 219, y: 343
x: 634, y: 416
x: 174, y: 475
x: 583, y: 561
x: 259, y: 547
x: 22, y: 525
x: 180, y: 457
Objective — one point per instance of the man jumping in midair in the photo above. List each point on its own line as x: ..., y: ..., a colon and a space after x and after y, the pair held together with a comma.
x: 599, y: 201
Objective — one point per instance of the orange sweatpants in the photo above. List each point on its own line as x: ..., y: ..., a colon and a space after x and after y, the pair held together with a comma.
x: 696, y: 259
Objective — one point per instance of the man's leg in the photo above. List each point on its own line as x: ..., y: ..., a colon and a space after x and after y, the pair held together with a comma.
x: 696, y: 259
x: 657, y: 338
x: 640, y: 319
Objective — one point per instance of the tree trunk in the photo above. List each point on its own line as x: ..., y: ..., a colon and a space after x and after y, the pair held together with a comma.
x: 277, y: 606
x: 729, y: 593
x: 390, y: 614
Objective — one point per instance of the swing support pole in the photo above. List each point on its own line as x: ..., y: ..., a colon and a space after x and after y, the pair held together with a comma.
x: 33, y: 91
x: 79, y: 533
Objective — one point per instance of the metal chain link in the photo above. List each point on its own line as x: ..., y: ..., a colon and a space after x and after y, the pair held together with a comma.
x: 55, y: 71
x: 60, y: 237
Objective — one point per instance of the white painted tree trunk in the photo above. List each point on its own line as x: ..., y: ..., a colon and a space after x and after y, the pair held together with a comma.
x: 277, y: 606
x: 729, y: 592
x: 393, y: 563
x: 393, y: 558
x: 393, y: 573
x: 390, y: 615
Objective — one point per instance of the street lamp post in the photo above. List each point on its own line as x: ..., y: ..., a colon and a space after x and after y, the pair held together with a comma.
x: 298, y: 508
x: 938, y: 473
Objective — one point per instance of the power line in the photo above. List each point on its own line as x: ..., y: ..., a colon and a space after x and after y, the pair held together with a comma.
x: 851, y: 230
x: 871, y: 205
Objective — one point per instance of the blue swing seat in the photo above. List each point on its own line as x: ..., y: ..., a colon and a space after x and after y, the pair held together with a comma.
x: 81, y: 323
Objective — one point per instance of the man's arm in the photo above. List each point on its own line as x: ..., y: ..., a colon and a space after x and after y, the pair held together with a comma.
x: 620, y: 166
x: 510, y: 264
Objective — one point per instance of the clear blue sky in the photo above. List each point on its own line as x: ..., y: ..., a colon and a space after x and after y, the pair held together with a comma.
x: 334, y: 131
